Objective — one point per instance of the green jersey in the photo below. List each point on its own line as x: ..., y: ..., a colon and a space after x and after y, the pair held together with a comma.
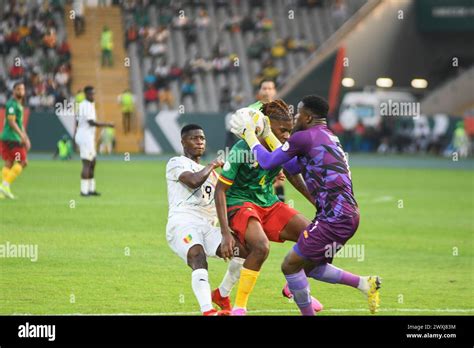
x: 13, y: 111
x: 257, y: 105
x: 250, y: 182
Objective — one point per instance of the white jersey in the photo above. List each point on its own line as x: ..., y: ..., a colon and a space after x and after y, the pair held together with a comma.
x: 85, y: 113
x: 185, y: 200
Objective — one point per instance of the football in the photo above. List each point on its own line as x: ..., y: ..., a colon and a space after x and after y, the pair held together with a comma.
x: 256, y: 116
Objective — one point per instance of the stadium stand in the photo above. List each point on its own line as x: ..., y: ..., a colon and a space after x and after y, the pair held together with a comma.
x: 213, y: 54
x: 108, y: 81
x: 34, y: 49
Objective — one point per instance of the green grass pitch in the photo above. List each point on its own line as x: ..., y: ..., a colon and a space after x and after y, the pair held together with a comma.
x: 109, y: 255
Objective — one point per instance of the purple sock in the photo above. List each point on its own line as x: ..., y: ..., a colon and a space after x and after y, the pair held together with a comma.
x: 299, y: 287
x: 331, y: 274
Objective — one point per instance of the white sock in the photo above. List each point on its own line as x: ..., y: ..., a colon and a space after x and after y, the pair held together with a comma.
x: 231, y: 277
x: 363, y: 284
x: 202, y: 289
x: 92, y: 185
x: 85, y: 186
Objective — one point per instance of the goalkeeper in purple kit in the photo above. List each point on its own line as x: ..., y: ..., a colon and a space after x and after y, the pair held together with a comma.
x: 315, y: 152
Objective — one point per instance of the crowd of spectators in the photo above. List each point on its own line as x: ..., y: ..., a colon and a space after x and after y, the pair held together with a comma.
x: 31, y: 52
x: 153, y: 42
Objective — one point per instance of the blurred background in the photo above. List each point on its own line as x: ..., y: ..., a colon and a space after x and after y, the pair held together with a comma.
x: 398, y: 74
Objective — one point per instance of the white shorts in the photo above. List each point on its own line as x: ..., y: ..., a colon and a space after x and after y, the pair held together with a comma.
x: 86, y: 148
x: 184, y: 232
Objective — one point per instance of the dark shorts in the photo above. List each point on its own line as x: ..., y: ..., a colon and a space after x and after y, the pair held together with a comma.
x: 273, y: 219
x: 321, y: 240
x: 12, y: 151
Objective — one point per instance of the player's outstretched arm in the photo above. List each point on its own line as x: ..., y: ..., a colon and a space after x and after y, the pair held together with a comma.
x: 195, y: 180
x: 228, y: 242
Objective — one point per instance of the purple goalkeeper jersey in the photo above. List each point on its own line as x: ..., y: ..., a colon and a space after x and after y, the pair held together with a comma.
x: 317, y: 154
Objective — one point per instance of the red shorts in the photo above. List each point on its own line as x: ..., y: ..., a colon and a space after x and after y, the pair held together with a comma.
x: 12, y: 151
x: 273, y: 219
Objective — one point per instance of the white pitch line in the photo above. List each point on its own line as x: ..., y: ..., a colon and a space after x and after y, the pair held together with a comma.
x: 259, y: 311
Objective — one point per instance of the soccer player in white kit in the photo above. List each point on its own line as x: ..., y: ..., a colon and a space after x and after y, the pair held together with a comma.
x: 85, y: 139
x: 191, y: 231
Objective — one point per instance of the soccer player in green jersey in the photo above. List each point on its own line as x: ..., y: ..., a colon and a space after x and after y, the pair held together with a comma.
x: 266, y: 93
x: 248, y: 208
x: 14, y: 141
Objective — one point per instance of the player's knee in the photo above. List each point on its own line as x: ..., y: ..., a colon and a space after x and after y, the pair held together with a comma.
x: 285, y: 266
x: 261, y: 249
x: 290, y: 265
x: 197, y: 257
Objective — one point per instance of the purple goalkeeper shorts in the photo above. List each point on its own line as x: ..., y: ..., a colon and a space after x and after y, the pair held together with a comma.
x: 321, y: 240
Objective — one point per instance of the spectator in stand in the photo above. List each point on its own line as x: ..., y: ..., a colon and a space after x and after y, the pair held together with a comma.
x: 131, y: 35
x: 151, y: 94
x: 79, y: 21
x: 247, y: 24
x: 3, y: 44
x: 188, y: 89
x: 16, y: 72
x: 200, y: 65
x: 162, y: 34
x: 64, y: 52
x: 303, y: 45
x: 202, y: 21
x: 278, y: 50
x: 180, y: 21
x: 162, y: 73
x: 175, y: 72
x: 233, y: 23
x: 12, y: 37
x: 166, y: 98
x: 263, y: 23
x: 291, y: 44
x: 256, y: 49
x: 270, y: 71
x: 221, y: 64
x: 49, y: 40
x: 339, y: 12
x: 26, y: 47
x: 62, y: 79
x: 190, y: 34
x: 157, y: 49
x: 34, y: 101
x: 233, y: 62
x: 150, y: 78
